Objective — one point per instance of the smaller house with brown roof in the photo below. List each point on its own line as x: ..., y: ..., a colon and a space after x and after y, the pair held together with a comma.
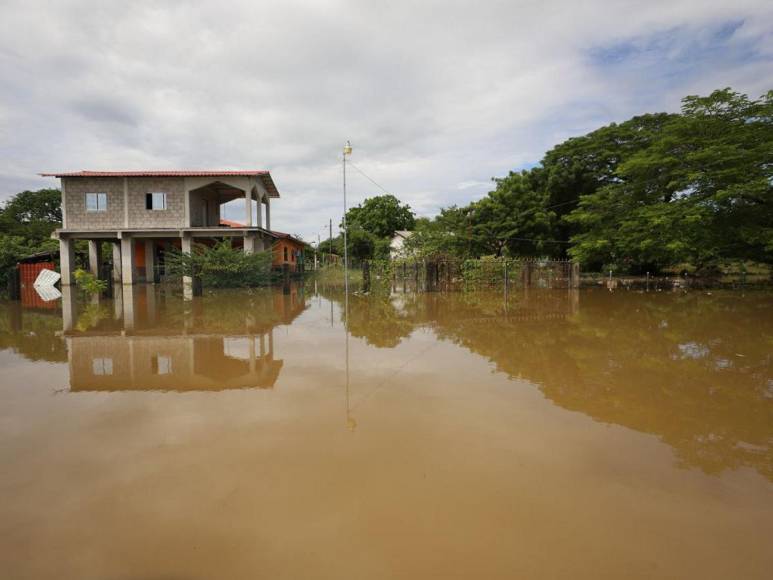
x: 288, y: 250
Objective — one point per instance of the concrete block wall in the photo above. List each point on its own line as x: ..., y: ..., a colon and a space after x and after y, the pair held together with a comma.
x: 76, y: 189
x: 114, y: 217
x: 174, y: 214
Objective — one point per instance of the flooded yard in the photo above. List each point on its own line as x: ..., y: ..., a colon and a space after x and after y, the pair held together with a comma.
x: 246, y: 434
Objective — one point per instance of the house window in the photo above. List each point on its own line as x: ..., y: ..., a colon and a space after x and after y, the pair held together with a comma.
x: 155, y: 201
x: 162, y: 365
x: 96, y: 202
x: 285, y: 253
x: 101, y: 366
x: 292, y: 256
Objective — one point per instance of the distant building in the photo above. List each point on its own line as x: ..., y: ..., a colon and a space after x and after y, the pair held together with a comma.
x: 287, y: 250
x: 143, y: 213
x: 396, y: 245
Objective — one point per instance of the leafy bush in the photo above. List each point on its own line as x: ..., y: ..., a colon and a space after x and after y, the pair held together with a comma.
x: 221, y: 265
x: 89, y: 283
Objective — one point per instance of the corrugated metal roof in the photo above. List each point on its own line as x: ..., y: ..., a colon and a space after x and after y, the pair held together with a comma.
x: 264, y: 175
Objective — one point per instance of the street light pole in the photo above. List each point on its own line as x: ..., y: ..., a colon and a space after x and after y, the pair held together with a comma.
x: 347, y: 151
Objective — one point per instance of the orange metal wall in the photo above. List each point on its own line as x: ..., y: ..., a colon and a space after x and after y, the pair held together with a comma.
x: 28, y: 273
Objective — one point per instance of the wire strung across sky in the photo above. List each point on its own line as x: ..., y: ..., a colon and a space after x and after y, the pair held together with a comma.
x: 382, y: 188
x: 369, y: 178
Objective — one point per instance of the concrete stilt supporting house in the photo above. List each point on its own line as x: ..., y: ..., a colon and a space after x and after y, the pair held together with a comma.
x: 116, y: 261
x: 127, y: 260
x: 150, y: 262
x: 187, y: 280
x: 118, y: 297
x: 248, y: 207
x: 128, y: 307
x: 66, y: 260
x: 68, y: 308
x: 249, y: 244
x: 95, y: 257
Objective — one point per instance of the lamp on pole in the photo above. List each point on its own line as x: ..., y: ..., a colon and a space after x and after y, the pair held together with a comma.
x: 347, y: 151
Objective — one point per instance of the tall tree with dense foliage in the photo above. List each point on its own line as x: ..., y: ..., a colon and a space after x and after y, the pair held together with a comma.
x: 653, y: 192
x: 381, y: 216
x: 514, y: 219
x: 700, y: 192
x: 32, y: 214
x: 26, y: 222
x: 580, y: 166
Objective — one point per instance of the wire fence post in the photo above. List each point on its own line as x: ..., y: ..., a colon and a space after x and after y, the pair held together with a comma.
x: 505, y: 276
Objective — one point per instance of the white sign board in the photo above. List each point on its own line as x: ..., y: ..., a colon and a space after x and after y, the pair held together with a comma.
x: 46, y: 278
x: 48, y: 293
x: 44, y: 285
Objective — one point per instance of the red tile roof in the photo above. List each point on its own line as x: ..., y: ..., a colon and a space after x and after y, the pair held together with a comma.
x: 231, y: 223
x: 161, y: 173
x: 264, y: 175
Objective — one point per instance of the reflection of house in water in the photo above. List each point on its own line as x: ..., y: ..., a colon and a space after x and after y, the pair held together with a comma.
x: 162, y: 343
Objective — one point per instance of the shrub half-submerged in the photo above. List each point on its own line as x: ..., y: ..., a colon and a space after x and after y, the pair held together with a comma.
x: 221, y: 265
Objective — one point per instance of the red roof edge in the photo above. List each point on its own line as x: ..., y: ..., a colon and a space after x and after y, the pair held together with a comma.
x: 264, y: 175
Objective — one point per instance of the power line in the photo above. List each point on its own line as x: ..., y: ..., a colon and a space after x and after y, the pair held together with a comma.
x: 369, y: 178
x: 374, y: 182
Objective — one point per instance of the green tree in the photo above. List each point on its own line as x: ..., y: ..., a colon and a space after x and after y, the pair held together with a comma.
x: 361, y: 244
x: 32, y: 214
x: 513, y: 219
x: 448, y: 235
x: 26, y: 222
x: 381, y: 216
x: 700, y: 191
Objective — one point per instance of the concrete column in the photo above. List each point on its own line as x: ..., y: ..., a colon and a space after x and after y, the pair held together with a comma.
x: 187, y: 204
x: 150, y: 301
x: 117, y: 301
x: 259, y: 221
x: 127, y: 261
x: 95, y: 258
x: 268, y: 215
x: 128, y: 307
x: 68, y: 309
x: 249, y: 243
x: 116, y: 262
x: 66, y: 260
x: 187, y: 280
x: 248, y: 208
x: 150, y: 262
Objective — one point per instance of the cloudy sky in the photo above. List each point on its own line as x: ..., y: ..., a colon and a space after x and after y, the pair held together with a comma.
x: 436, y: 97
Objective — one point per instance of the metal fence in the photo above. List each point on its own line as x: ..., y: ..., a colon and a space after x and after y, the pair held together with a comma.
x: 480, y: 274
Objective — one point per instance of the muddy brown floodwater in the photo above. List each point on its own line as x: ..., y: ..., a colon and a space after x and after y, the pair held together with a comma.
x: 557, y: 434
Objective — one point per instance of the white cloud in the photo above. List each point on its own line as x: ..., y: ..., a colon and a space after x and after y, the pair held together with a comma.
x: 437, y: 97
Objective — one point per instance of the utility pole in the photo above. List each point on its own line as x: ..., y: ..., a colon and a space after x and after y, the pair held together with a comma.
x: 330, y: 238
x: 347, y: 151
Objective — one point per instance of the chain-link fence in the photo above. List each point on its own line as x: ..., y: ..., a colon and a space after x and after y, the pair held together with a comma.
x: 479, y: 274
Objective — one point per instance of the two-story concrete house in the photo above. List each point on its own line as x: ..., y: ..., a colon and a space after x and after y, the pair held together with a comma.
x: 144, y: 213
